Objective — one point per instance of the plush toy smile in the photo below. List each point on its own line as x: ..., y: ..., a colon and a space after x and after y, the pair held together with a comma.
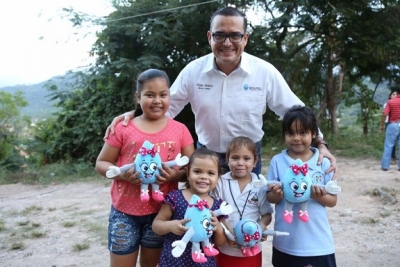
x: 148, y: 161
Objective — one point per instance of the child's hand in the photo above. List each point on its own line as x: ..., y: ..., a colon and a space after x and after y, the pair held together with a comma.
x: 131, y: 177
x: 231, y: 243
x: 317, y: 192
x: 214, y: 222
x: 263, y: 227
x: 276, y: 189
x: 178, y: 227
x: 264, y: 237
x: 167, y: 174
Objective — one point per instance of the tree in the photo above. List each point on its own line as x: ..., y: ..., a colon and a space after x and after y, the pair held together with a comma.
x: 10, y: 105
x: 130, y: 43
x: 322, y: 49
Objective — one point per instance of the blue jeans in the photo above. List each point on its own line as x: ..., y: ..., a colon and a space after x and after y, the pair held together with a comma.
x: 391, y: 137
x: 224, y: 164
x: 394, y: 148
x: 127, y: 232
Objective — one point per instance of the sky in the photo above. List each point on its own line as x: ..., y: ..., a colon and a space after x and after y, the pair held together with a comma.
x: 37, y: 44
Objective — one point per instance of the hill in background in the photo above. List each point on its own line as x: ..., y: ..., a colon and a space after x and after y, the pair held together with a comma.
x: 37, y: 95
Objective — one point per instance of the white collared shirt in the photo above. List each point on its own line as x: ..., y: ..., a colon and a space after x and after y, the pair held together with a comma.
x: 229, y: 106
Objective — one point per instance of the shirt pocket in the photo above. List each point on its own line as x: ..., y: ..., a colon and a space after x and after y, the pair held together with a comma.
x: 249, y: 108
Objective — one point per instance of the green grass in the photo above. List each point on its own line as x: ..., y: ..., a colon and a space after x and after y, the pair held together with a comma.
x: 69, y: 224
x: 31, y: 209
x: 51, y: 174
x: 80, y: 247
x: 17, y: 245
x: 2, y: 225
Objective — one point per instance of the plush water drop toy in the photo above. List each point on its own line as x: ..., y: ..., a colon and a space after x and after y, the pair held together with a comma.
x: 148, y: 161
x: 200, y: 229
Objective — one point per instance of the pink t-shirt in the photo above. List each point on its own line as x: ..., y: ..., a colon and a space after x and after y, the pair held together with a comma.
x: 169, y: 141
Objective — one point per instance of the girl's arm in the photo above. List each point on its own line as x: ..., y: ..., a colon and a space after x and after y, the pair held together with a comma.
x: 265, y: 221
x: 163, y: 225
x: 219, y: 237
x: 106, y: 158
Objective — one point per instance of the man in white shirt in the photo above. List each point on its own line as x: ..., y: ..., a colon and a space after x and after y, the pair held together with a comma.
x: 229, y: 90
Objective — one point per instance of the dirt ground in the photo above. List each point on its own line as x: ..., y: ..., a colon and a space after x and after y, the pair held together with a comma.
x: 65, y: 225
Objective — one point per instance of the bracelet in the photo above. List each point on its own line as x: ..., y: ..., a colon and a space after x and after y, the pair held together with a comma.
x: 322, y: 142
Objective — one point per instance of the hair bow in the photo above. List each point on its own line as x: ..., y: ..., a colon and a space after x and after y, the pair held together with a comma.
x: 297, y: 169
x: 248, y: 238
x: 200, y: 204
x: 143, y: 151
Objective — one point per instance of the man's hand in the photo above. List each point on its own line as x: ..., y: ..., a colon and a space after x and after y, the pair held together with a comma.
x: 324, y: 152
x: 127, y: 116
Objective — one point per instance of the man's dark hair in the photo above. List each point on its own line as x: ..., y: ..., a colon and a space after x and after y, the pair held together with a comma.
x: 229, y: 11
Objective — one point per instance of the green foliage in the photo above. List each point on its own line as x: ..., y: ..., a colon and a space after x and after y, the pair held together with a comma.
x: 124, y: 49
x: 363, y: 96
x: 352, y: 142
x: 10, y: 126
x: 314, y: 45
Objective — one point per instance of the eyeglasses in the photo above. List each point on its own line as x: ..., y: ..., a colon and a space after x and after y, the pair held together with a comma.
x: 220, y: 37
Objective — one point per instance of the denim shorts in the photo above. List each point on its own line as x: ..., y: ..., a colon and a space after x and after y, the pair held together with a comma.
x: 127, y: 232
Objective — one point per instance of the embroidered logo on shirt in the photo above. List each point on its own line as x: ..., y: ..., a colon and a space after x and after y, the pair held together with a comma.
x: 251, y: 88
x: 253, y: 198
x: 201, y: 86
x: 318, y: 178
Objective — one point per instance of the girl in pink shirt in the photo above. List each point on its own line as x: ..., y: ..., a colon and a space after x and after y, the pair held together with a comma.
x: 130, y: 219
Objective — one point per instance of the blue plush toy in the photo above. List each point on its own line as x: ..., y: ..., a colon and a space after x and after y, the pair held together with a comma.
x: 148, y: 161
x: 248, y: 234
x: 296, y: 185
x: 200, y: 229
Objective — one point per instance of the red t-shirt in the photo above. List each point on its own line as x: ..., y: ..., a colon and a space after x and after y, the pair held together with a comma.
x: 392, y: 109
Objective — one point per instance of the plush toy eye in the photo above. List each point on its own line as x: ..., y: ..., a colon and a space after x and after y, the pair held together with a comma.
x: 303, y: 186
x: 206, y: 223
x: 294, y: 186
x: 144, y: 167
x: 153, y: 166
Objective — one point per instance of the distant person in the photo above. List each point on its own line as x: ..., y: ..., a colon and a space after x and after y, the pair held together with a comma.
x: 391, y: 95
x: 309, y: 243
x: 203, y: 173
x: 230, y: 90
x: 236, y: 188
x: 391, y: 113
x: 130, y: 220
